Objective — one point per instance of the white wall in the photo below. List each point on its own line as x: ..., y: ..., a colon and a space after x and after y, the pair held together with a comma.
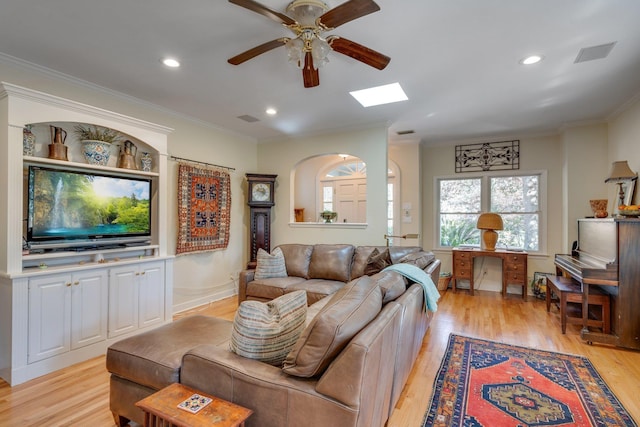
x: 536, y: 153
x: 584, y: 170
x: 198, y: 278
x: 624, y: 140
x: 281, y: 158
x: 407, y: 156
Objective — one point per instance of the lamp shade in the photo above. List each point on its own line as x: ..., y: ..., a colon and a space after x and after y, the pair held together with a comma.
x: 620, y: 171
x: 490, y: 221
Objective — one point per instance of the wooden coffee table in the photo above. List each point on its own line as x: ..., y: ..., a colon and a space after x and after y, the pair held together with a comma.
x: 162, y: 407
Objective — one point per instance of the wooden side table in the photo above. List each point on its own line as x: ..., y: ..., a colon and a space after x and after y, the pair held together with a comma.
x: 162, y: 407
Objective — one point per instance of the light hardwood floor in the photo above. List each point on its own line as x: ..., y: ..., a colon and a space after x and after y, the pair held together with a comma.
x: 78, y: 396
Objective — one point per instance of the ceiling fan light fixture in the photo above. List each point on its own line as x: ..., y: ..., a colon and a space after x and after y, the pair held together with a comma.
x: 295, y: 52
x: 320, y: 50
x: 306, y: 12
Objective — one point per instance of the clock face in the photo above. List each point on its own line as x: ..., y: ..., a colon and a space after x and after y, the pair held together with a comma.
x: 261, y: 192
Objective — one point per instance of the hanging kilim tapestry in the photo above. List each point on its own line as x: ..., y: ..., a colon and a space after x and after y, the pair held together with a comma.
x: 489, y: 156
x: 204, y: 207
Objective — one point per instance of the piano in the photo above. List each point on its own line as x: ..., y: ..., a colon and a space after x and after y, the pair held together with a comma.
x: 606, y: 255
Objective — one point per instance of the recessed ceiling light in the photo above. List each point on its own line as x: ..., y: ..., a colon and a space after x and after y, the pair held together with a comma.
x: 530, y: 60
x: 380, y: 95
x: 170, y: 62
x: 271, y: 111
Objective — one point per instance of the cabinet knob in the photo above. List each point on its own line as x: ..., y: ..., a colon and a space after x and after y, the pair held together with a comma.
x: 68, y: 284
x: 76, y: 283
x: 143, y: 273
x: 138, y: 273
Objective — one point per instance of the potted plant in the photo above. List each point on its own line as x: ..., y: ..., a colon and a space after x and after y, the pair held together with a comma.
x: 96, y: 142
x: 328, y: 216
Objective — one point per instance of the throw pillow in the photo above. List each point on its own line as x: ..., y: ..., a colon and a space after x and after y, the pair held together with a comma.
x: 392, y: 284
x: 348, y: 311
x: 420, y: 259
x: 377, y: 261
x: 268, y: 331
x: 270, y: 265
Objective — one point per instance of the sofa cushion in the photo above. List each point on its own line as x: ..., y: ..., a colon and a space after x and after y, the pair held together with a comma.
x: 377, y: 261
x: 420, y: 259
x: 141, y: 359
x: 317, y: 288
x: 271, y: 288
x: 331, y: 262
x: 360, y: 258
x: 392, y: 284
x: 270, y: 264
x: 268, y: 331
x: 397, y: 252
x: 297, y: 258
x: 347, y: 312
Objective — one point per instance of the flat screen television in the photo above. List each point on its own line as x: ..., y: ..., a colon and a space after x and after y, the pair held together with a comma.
x: 80, y: 208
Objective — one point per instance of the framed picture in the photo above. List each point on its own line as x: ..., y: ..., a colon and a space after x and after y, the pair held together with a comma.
x: 539, y: 284
x: 629, y: 187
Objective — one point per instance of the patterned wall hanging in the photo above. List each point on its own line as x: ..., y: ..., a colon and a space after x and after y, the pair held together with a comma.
x: 488, y: 156
x: 204, y: 207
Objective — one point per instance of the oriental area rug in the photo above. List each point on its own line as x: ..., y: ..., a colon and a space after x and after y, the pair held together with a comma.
x: 490, y: 384
x: 204, y: 205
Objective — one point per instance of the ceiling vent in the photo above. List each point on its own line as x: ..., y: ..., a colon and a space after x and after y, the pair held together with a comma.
x: 405, y: 132
x: 249, y: 119
x: 594, y: 52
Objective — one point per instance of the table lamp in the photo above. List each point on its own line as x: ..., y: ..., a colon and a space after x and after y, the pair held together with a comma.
x: 489, y: 222
x: 620, y: 172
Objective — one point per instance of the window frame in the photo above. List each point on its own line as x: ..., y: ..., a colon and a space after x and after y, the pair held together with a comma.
x: 485, y: 200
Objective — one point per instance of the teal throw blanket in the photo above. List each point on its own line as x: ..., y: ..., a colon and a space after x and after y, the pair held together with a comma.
x: 416, y: 274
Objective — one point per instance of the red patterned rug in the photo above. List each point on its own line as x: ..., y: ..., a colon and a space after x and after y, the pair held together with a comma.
x: 490, y: 384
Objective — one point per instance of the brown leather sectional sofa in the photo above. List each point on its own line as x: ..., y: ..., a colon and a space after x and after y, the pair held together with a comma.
x: 359, y: 387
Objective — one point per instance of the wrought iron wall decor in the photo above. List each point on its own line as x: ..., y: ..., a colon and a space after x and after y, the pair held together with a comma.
x: 488, y: 156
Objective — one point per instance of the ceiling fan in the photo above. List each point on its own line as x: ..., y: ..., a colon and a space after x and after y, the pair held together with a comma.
x: 309, y: 48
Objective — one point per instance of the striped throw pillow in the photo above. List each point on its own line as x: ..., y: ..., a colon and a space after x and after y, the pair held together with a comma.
x: 270, y: 265
x: 268, y: 331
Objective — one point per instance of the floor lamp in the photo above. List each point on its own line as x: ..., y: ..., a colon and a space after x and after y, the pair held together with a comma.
x: 404, y: 236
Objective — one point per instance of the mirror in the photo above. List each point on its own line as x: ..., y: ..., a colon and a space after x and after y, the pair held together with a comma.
x: 330, y: 188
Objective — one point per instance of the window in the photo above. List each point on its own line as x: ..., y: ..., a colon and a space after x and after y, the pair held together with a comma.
x: 517, y: 198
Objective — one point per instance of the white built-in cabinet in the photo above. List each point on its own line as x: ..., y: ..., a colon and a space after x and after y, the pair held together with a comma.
x: 61, y: 307
x: 66, y: 312
x: 135, y: 297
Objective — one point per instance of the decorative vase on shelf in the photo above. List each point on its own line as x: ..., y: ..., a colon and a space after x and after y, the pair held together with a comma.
x: 28, y: 141
x: 96, y: 152
x: 146, y: 162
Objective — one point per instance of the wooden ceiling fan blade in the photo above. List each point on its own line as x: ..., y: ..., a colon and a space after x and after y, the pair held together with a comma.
x: 264, y: 11
x: 310, y: 75
x: 258, y: 50
x: 348, y: 11
x: 360, y: 53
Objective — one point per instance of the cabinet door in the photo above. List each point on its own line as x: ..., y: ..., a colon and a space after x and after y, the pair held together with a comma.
x: 49, y: 316
x: 123, y: 300
x: 151, y: 294
x: 89, y: 302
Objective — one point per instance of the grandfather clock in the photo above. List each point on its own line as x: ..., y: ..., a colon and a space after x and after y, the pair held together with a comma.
x: 260, y: 194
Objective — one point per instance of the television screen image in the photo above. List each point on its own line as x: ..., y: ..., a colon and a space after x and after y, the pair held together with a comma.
x: 68, y: 205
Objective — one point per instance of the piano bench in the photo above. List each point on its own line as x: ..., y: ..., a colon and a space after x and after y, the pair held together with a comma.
x: 569, y: 293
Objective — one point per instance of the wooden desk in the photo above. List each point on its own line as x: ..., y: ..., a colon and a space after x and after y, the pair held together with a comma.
x: 161, y: 409
x: 514, y: 267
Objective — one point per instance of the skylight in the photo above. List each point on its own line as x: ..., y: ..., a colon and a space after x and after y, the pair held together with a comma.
x: 379, y: 95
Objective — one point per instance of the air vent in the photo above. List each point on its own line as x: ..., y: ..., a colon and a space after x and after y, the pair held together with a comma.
x: 249, y: 119
x: 405, y: 132
x: 594, y: 52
